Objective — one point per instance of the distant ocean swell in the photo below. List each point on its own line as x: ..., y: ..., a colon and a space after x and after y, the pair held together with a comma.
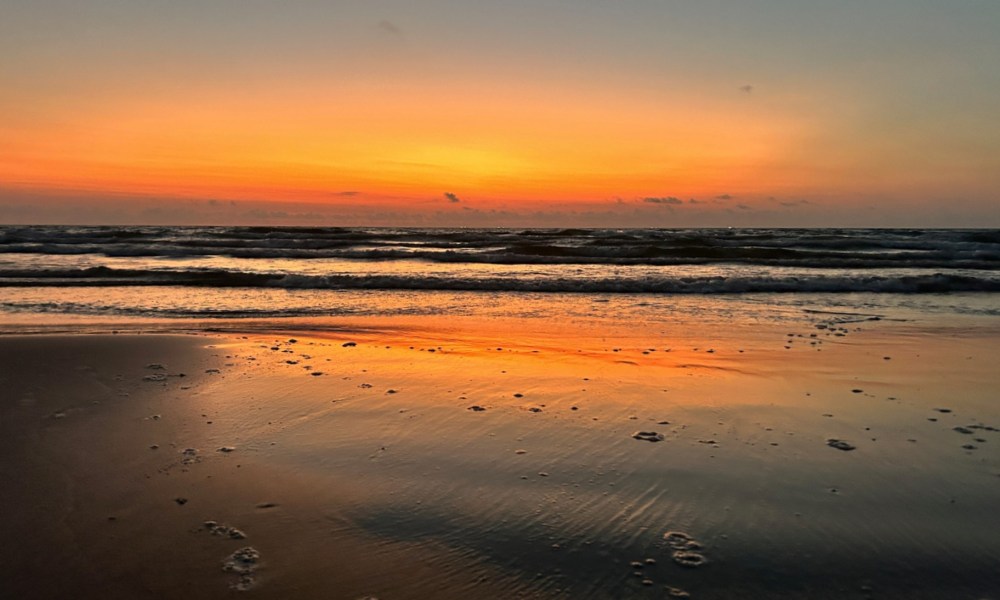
x: 821, y: 249
x: 832, y: 282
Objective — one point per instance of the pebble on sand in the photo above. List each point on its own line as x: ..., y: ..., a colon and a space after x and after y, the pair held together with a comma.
x: 839, y: 444
x: 226, y: 449
x: 648, y: 436
x: 476, y: 408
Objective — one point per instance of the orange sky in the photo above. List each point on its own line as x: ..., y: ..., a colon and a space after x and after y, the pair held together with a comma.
x: 397, y: 112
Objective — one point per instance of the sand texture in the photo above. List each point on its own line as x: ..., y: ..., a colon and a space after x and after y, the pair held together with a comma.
x: 392, y: 463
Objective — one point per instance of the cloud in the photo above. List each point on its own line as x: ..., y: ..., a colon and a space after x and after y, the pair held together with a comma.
x: 746, y: 89
x: 672, y: 200
x: 794, y: 202
x: 693, y: 201
x: 452, y: 197
x: 724, y: 197
x: 389, y: 28
x: 744, y: 207
x: 346, y: 194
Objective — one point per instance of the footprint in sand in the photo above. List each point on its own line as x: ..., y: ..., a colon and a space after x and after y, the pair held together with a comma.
x: 685, y: 549
x: 244, y: 563
x: 648, y: 436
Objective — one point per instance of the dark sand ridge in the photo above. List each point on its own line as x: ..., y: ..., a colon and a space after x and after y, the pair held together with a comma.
x: 347, y: 489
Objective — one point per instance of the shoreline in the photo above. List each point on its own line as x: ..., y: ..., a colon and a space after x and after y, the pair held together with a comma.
x: 503, y: 463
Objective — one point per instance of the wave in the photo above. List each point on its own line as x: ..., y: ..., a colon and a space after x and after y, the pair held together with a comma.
x: 819, y: 283
x: 542, y: 254
x: 833, y: 249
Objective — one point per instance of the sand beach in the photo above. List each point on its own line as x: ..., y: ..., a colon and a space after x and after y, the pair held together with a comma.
x: 846, y: 457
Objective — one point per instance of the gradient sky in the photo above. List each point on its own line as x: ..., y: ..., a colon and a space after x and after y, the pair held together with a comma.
x: 540, y: 112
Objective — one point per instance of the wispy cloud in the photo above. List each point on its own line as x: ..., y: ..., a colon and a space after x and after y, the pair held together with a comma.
x: 746, y: 89
x: 452, y: 197
x: 671, y: 200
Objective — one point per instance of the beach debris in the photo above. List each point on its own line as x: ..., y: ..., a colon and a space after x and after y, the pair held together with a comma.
x: 534, y: 409
x: 244, y: 563
x: 648, y: 436
x: 267, y: 505
x: 676, y: 592
x: 943, y: 410
x: 226, y: 449
x: 316, y: 373
x: 181, y: 501
x: 212, y: 371
x: 156, y: 367
x: 155, y: 377
x: 857, y: 391
x: 349, y: 344
x: 961, y: 429
x: 969, y: 447
x: 520, y: 451
x: 476, y: 408
x: 840, y: 444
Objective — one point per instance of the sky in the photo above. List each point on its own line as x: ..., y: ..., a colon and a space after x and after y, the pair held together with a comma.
x: 541, y: 113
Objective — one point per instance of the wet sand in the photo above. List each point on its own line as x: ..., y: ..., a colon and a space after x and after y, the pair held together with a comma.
x: 850, y: 458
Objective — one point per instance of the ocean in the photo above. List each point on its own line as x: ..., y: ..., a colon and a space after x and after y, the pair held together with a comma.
x: 49, y: 272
